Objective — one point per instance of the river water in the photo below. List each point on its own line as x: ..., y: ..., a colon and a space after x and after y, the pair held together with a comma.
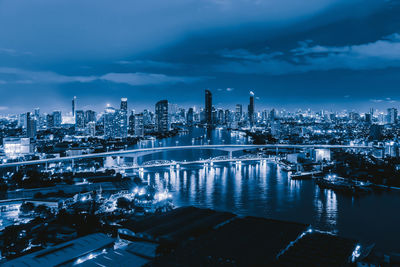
x: 263, y: 189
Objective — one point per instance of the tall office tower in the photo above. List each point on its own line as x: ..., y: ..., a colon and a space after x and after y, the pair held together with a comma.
x: 238, y: 112
x: 73, y: 106
x: 124, y: 104
x: 272, y: 115
x: 139, y: 126
x: 220, y: 115
x: 91, y: 128
x: 109, y: 122
x: 131, y: 123
x: 147, y: 117
x: 22, y: 120
x: 80, y: 119
x: 49, y: 121
x: 368, y: 118
x: 190, y: 117
x: 37, y: 114
x: 30, y: 126
x: 392, y: 115
x: 214, y: 116
x: 57, y: 118
x: 121, y: 123
x: 90, y: 116
x: 251, y: 109
x: 115, y: 123
x: 208, y: 107
x: 227, y: 116
x: 162, y: 122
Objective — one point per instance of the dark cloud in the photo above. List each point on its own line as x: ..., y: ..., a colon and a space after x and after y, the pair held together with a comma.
x: 307, y: 57
x: 101, y: 50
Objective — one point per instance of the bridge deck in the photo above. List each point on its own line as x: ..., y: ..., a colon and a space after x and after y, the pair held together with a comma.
x: 144, y: 151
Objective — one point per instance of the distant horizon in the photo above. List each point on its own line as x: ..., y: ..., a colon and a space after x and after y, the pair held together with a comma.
x: 67, y: 110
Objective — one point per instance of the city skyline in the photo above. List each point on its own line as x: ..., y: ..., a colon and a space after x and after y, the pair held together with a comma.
x: 134, y: 106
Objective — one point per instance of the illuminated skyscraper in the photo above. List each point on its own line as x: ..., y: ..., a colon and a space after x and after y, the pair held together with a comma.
x: 109, y: 122
x: 90, y: 116
x: 131, y: 123
x: 208, y: 107
x: 124, y: 104
x: 57, y: 118
x: 30, y: 126
x: 238, y: 112
x: 162, y: 121
x: 80, y: 119
x: 115, y: 123
x: 392, y: 115
x: 189, y: 117
x: 73, y: 106
x: 251, y: 109
x: 139, y: 126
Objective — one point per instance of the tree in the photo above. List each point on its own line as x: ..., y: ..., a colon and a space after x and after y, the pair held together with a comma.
x: 27, y: 207
x: 43, y: 211
x: 123, y: 203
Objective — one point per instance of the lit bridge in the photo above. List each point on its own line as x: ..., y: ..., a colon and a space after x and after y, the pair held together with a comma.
x: 177, y: 164
x: 135, y: 153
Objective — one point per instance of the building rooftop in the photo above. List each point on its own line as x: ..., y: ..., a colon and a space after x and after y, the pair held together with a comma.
x: 116, y: 257
x: 64, y: 252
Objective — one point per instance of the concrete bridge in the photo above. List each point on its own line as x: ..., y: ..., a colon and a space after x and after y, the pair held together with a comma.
x: 135, y: 153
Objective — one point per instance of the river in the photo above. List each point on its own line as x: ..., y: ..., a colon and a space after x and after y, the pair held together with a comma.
x: 265, y: 190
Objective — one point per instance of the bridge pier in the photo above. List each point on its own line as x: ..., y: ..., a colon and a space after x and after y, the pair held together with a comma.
x: 230, y: 154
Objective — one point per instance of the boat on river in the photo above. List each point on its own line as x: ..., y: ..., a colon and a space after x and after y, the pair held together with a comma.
x: 342, y: 185
x: 299, y: 175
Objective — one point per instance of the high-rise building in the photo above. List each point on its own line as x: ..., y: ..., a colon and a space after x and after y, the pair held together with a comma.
x: 190, y: 117
x: 272, y: 115
x: 251, y: 109
x: 57, y: 118
x: 109, y: 122
x: 227, y: 116
x: 238, y: 112
x: 22, y: 120
x: 124, y: 104
x: 221, y: 116
x: 139, y: 126
x: 73, y: 106
x: 49, y: 121
x: 208, y: 107
x: 91, y: 128
x: 162, y: 121
x: 31, y: 126
x: 37, y: 114
x: 131, y: 123
x: 392, y: 115
x: 90, y: 116
x: 115, y: 123
x: 375, y: 132
x: 368, y: 118
x: 80, y: 119
x: 122, y: 123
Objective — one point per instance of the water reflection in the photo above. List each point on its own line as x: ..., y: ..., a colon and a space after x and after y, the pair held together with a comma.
x: 263, y: 189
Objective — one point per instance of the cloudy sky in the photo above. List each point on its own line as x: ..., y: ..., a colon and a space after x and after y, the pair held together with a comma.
x: 330, y: 54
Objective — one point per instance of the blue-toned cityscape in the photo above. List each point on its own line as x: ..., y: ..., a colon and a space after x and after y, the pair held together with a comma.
x: 199, y: 133
x: 68, y: 177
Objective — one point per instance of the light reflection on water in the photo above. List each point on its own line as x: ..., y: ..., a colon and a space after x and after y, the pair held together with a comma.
x: 263, y: 189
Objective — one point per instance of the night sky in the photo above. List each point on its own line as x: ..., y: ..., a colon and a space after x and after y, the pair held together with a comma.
x: 321, y: 54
